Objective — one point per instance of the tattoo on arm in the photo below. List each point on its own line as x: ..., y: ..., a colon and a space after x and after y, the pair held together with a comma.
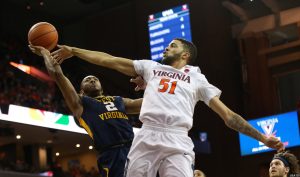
x: 237, y: 123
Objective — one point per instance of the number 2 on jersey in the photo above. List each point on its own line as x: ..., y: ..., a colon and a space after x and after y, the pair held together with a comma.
x: 110, y: 106
x: 165, y: 84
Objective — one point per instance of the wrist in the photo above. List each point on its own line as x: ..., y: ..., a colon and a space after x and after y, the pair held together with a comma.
x: 45, y: 52
x: 263, y: 138
x: 73, y: 50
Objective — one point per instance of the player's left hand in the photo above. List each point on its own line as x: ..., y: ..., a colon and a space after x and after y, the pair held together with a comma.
x: 140, y: 83
x: 38, y: 50
x: 274, y: 143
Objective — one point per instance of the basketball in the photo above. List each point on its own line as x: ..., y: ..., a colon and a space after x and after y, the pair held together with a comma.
x: 43, y: 34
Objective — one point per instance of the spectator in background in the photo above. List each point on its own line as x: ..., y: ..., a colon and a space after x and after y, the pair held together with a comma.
x: 5, y: 163
x: 57, y: 170
x: 284, y: 164
x: 264, y: 169
x: 199, y: 173
x: 93, y: 172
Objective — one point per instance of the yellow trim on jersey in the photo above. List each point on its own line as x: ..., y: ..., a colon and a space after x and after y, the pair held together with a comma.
x: 107, y: 171
x: 105, y: 98
x: 86, y: 127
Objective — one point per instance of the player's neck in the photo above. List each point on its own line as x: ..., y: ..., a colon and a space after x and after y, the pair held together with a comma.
x: 178, y: 64
x: 93, y: 94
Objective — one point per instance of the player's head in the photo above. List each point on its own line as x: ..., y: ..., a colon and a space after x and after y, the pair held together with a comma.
x: 91, y: 86
x: 179, y: 49
x: 198, y: 173
x: 283, y: 164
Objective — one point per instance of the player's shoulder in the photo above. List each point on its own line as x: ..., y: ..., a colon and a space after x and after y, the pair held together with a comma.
x: 192, y: 69
x: 147, y: 62
x: 195, y: 72
x: 86, y: 100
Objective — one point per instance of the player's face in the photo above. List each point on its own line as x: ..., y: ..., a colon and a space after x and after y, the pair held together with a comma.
x: 91, y: 86
x: 173, y: 52
x: 277, y: 169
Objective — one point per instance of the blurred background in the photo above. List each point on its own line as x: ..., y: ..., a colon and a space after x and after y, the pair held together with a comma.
x: 247, y: 48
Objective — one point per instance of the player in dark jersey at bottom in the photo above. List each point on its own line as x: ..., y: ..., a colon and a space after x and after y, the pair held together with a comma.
x: 103, y: 117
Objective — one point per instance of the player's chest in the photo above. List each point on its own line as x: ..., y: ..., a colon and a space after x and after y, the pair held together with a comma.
x: 172, y: 82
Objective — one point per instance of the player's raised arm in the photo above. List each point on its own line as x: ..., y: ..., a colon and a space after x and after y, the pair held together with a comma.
x: 236, y: 122
x: 120, y: 64
x: 71, y: 97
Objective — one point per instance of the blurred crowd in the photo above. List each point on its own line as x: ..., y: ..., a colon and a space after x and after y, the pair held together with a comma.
x: 18, y: 165
x: 55, y: 169
x: 19, y: 88
x: 79, y: 171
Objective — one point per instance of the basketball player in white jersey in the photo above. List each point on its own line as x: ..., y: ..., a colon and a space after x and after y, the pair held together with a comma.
x: 173, y: 89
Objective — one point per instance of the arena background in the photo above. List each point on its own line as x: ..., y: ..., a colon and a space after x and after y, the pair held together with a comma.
x: 233, y: 56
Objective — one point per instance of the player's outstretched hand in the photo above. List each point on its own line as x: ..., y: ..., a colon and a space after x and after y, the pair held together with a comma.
x: 274, y: 143
x: 64, y: 52
x: 38, y: 50
x: 140, y: 83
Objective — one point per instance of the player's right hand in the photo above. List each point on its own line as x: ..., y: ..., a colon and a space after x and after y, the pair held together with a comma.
x: 274, y: 143
x: 64, y: 52
x: 140, y: 83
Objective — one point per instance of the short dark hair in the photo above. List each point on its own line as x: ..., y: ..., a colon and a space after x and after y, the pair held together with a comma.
x: 190, y: 47
x: 292, y: 161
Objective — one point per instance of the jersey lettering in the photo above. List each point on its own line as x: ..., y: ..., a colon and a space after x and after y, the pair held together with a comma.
x: 165, y: 84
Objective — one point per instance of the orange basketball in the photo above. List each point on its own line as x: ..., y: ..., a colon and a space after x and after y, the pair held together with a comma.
x: 43, y: 34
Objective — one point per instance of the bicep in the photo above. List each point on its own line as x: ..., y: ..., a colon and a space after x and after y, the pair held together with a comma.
x: 122, y: 65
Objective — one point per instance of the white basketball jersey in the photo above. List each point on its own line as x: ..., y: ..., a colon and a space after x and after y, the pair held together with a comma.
x: 171, y: 94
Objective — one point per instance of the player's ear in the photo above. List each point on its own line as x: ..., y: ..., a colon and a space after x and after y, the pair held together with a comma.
x: 287, y: 170
x: 186, y: 56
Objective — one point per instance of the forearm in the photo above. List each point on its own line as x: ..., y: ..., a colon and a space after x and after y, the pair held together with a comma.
x: 94, y: 57
x: 133, y: 106
x: 53, y: 70
x: 69, y: 93
x: 239, y: 124
x: 137, y: 104
x: 120, y: 64
x: 236, y: 122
